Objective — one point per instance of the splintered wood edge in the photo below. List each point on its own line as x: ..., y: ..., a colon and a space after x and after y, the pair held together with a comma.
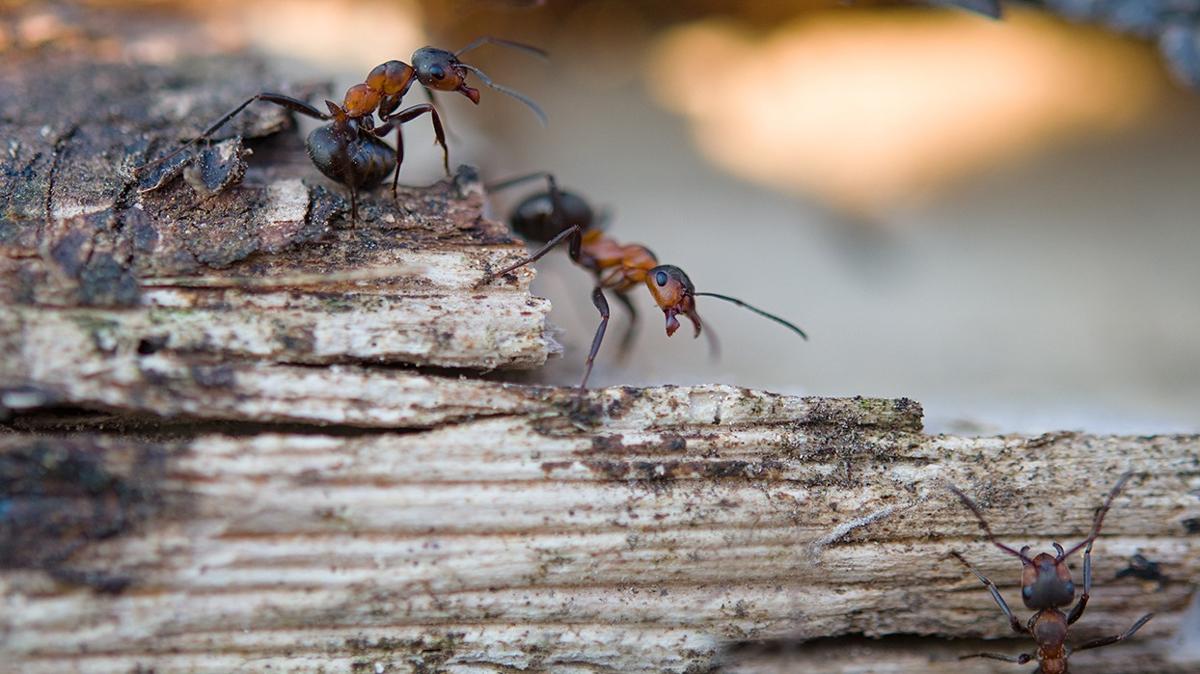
x: 441, y: 326
x: 147, y: 362
x: 404, y: 291
x: 658, y: 541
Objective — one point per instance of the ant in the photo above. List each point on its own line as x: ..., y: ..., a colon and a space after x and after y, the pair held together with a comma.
x: 556, y: 215
x: 1046, y: 586
x: 349, y: 149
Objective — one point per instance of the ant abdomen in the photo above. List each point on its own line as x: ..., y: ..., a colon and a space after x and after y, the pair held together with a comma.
x: 535, y: 220
x: 360, y: 162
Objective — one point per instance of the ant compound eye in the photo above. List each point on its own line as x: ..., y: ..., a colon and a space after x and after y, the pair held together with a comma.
x: 438, y: 72
x: 1027, y: 592
x: 661, y: 278
x: 1069, y: 588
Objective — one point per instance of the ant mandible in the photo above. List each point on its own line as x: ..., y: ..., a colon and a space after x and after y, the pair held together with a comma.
x: 1046, y: 586
x: 349, y: 150
x: 556, y: 215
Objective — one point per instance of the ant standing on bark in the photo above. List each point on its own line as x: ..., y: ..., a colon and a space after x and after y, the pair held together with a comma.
x: 349, y: 149
x: 555, y: 215
x: 1046, y: 587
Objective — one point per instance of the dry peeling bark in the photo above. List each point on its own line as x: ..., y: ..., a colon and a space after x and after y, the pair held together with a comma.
x: 244, y: 434
x: 268, y: 269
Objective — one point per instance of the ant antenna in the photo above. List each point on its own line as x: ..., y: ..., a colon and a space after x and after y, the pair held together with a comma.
x: 1099, y: 517
x: 537, y: 110
x: 791, y: 326
x: 988, y: 530
x: 509, y: 182
x: 488, y: 39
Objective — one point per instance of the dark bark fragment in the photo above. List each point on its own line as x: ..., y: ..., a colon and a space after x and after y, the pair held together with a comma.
x: 59, y: 497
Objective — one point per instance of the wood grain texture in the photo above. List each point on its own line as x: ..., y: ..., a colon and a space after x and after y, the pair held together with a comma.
x: 243, y: 434
x: 655, y: 530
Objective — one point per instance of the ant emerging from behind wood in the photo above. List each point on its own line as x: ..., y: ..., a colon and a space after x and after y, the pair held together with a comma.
x: 1046, y: 586
x: 556, y: 215
x: 350, y: 150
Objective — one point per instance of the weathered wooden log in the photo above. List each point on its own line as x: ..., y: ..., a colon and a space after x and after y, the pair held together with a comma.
x: 226, y: 448
x: 654, y: 531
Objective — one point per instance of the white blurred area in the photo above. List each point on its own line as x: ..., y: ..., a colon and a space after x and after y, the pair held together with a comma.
x: 999, y: 220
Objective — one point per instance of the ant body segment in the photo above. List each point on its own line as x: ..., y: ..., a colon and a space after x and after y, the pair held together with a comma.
x: 1046, y: 587
x: 556, y: 215
x: 350, y: 150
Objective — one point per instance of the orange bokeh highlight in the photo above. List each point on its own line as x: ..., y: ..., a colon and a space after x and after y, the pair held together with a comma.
x: 868, y: 109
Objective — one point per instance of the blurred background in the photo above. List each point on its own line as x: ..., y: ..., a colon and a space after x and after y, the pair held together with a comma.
x: 998, y: 219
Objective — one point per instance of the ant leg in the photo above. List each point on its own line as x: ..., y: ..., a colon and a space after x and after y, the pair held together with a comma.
x: 1105, y: 641
x: 1012, y: 619
x: 387, y: 106
x: 1019, y: 659
x: 293, y: 104
x: 353, y: 204
x: 555, y: 201
x: 556, y: 204
x: 573, y: 232
x: 1099, y: 521
x: 1077, y: 612
x: 409, y: 114
x: 399, y: 161
x: 429, y: 96
x: 602, y: 307
x: 575, y: 245
x: 630, y: 331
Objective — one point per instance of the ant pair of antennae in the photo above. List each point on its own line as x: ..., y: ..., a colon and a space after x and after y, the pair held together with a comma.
x: 556, y: 216
x: 489, y: 82
x: 1062, y: 555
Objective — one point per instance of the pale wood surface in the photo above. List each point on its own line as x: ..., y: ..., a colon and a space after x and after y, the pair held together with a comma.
x: 648, y: 533
x: 246, y: 435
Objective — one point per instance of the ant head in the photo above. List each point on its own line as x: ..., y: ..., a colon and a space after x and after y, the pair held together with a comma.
x: 674, y: 293
x: 392, y: 78
x: 440, y: 69
x: 361, y: 101
x: 1046, y: 581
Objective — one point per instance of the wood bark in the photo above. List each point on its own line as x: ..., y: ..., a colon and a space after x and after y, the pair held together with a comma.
x: 246, y: 434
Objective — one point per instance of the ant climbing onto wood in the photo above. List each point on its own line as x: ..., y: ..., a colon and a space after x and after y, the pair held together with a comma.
x: 349, y: 149
x: 556, y: 215
x: 1046, y: 586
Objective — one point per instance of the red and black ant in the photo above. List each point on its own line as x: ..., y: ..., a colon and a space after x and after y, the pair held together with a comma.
x: 1046, y: 586
x: 349, y: 150
x: 556, y: 215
